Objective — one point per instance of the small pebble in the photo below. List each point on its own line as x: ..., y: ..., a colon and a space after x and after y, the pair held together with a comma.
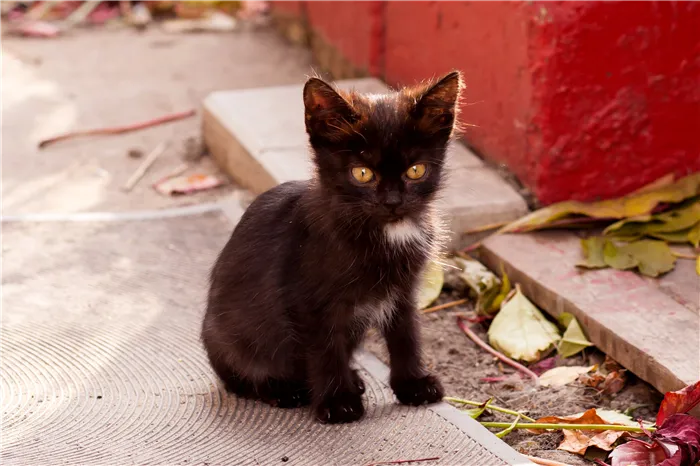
x: 135, y: 153
x: 285, y: 459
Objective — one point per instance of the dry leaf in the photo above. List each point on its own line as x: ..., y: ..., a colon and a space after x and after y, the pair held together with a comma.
x: 431, y: 284
x: 641, y: 202
x: 577, y: 441
x: 574, y: 340
x: 564, y: 375
x: 520, y: 331
x: 485, y: 286
x: 186, y: 184
x: 608, y: 378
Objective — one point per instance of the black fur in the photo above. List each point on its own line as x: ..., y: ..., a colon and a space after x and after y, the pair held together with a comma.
x: 309, y: 265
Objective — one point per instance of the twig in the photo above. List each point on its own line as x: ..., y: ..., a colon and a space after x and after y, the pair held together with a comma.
x: 546, y: 426
x: 177, y: 171
x: 404, y: 461
x: 544, y: 462
x: 490, y: 406
x: 118, y: 129
x: 80, y: 14
x: 683, y: 255
x: 483, y: 228
x: 471, y: 247
x: 440, y: 307
x: 475, y: 338
x: 141, y: 170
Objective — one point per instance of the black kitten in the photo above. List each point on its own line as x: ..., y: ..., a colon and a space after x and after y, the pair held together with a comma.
x: 313, y: 264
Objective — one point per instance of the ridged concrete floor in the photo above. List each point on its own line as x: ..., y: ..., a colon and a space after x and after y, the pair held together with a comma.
x: 101, y: 363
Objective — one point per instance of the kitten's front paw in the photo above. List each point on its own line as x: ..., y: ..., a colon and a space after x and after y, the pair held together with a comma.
x: 340, y: 408
x: 418, y: 391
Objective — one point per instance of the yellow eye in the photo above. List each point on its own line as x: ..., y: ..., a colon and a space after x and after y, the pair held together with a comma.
x: 416, y: 172
x: 362, y: 174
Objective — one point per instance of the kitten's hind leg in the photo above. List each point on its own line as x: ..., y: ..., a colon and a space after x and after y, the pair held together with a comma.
x: 233, y: 382
x: 284, y: 393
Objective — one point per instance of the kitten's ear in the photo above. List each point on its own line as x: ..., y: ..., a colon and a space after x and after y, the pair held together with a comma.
x: 437, y: 105
x: 327, y: 114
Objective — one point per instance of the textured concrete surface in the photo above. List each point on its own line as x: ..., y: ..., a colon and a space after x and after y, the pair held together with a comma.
x: 102, y: 364
x: 651, y: 327
x: 258, y: 137
x: 106, y: 77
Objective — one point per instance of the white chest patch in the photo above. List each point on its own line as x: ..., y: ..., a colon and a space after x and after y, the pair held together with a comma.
x: 376, y: 314
x: 403, y: 232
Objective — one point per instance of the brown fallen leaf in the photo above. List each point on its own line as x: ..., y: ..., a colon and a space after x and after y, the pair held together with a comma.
x: 608, y: 378
x: 578, y: 441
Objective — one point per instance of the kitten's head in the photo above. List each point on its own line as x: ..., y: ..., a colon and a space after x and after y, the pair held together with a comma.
x: 382, y: 155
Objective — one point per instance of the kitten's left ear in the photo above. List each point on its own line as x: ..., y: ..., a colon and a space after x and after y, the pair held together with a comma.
x: 436, y: 107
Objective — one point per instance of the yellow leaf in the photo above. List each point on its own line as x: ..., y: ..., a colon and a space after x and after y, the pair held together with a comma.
x: 564, y: 375
x: 574, y: 340
x: 520, y: 331
x: 694, y: 235
x: 431, y: 285
x: 639, y: 203
x: 697, y: 265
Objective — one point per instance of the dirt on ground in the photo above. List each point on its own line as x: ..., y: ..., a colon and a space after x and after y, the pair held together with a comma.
x: 461, y: 365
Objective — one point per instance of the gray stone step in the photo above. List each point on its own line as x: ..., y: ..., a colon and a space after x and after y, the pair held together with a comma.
x: 102, y: 363
x: 257, y: 136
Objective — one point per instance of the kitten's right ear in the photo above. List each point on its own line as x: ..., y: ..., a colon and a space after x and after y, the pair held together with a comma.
x: 327, y: 114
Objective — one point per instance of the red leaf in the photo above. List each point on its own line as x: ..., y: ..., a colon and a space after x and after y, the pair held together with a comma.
x: 638, y: 453
x: 680, y: 439
x: 681, y: 401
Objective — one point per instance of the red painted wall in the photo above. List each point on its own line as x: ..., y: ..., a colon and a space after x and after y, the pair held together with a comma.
x: 581, y: 100
x: 616, y: 95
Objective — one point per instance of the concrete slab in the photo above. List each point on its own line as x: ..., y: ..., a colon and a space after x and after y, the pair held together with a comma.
x: 257, y: 136
x: 102, y: 364
x: 650, y: 326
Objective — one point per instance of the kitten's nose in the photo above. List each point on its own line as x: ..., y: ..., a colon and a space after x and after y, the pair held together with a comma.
x: 392, y: 200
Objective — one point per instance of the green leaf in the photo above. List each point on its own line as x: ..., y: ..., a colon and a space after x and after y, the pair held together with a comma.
x: 520, y: 331
x: 431, y: 285
x: 680, y: 236
x: 653, y: 257
x: 497, y: 300
x: 593, y: 253
x: 508, y: 429
x: 617, y: 257
x: 474, y: 413
x: 574, y: 340
x: 684, y: 216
